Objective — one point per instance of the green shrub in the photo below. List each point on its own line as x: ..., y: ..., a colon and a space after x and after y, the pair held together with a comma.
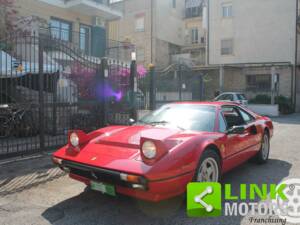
x: 261, y: 99
x: 285, y: 104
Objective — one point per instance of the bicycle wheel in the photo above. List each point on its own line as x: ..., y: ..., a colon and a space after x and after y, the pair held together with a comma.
x: 5, y: 127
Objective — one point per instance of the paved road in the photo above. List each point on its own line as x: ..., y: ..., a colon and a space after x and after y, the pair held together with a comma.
x: 46, y: 196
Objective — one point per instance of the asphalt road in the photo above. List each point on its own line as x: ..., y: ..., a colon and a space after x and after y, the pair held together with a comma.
x: 45, y: 196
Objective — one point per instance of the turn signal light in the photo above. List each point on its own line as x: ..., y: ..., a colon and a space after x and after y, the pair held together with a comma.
x: 57, y: 161
x: 130, y: 178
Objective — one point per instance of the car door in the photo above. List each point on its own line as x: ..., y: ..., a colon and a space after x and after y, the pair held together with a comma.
x: 236, y: 145
x: 253, y: 137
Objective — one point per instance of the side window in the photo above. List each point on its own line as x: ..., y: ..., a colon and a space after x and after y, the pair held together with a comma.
x: 219, y: 98
x: 222, y: 124
x: 246, y: 116
x: 232, y: 116
x: 241, y: 97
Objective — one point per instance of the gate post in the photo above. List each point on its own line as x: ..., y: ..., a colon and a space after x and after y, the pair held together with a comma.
x: 152, y: 87
x: 41, y: 95
x: 180, y: 83
x: 133, y: 88
x: 102, y: 74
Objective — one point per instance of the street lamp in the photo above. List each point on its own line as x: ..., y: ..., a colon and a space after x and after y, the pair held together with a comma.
x: 133, y: 56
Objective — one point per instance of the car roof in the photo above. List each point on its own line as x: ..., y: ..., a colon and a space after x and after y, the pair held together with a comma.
x: 233, y: 93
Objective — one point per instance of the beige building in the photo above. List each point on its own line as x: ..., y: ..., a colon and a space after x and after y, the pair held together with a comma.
x: 194, y: 49
x: 253, y: 43
x: 81, y: 23
x: 155, y: 27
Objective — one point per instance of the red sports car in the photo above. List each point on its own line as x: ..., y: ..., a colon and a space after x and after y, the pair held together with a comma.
x: 155, y: 158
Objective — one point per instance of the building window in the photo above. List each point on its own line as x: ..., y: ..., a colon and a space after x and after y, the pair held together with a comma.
x: 85, y: 38
x: 194, y: 36
x: 140, y: 24
x: 227, y: 47
x: 174, y: 4
x: 261, y: 82
x: 61, y: 29
x: 193, y: 8
x: 227, y: 10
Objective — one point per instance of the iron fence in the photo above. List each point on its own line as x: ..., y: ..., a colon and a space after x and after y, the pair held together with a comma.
x: 47, y: 87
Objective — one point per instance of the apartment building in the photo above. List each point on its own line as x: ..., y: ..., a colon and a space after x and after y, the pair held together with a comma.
x: 253, y: 43
x: 195, y: 34
x: 80, y: 23
x: 155, y: 27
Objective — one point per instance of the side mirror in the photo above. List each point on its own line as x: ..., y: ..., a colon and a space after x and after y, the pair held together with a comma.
x: 131, y: 121
x: 236, y: 130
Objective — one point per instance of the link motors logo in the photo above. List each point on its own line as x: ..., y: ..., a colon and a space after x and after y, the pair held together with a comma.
x: 289, y: 209
x: 283, y: 200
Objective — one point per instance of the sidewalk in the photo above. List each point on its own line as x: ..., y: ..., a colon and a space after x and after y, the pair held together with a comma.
x: 21, y: 175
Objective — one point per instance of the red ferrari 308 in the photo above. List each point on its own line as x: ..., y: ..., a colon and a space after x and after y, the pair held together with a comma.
x: 156, y: 157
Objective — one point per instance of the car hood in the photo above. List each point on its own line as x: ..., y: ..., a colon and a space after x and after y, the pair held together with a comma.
x: 118, y: 147
x: 130, y: 136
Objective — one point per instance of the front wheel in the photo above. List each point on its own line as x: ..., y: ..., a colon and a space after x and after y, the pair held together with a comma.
x: 263, y: 154
x: 209, y: 169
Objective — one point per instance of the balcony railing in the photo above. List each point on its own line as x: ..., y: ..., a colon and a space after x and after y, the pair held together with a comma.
x: 82, y: 42
x: 96, y: 8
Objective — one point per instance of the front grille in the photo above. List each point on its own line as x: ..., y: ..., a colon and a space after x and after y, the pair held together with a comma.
x: 97, y: 174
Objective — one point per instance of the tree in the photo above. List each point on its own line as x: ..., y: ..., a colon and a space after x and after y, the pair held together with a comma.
x: 8, y: 17
x: 12, y: 23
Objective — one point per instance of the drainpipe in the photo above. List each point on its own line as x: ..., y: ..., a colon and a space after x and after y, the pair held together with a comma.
x: 294, y: 87
x: 221, y: 79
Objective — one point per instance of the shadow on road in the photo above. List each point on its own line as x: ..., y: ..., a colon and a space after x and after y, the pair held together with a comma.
x: 288, y: 119
x: 95, y: 208
x: 22, y: 175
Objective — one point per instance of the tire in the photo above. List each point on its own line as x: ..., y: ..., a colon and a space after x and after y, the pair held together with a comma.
x: 263, y: 154
x: 209, y: 159
x: 5, y: 127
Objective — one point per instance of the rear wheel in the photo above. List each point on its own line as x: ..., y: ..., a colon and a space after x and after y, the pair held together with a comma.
x: 263, y: 154
x: 5, y: 127
x: 209, y: 169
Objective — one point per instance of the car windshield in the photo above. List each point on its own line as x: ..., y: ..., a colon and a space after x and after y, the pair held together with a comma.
x: 183, y: 116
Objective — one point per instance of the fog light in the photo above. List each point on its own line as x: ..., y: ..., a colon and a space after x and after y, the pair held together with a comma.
x: 138, y: 186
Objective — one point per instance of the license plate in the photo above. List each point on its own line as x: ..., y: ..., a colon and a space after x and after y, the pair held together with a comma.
x: 104, y: 188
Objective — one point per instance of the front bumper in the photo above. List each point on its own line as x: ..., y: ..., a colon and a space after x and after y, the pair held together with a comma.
x: 143, y: 189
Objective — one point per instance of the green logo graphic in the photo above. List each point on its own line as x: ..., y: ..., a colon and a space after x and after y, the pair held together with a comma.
x: 204, y: 199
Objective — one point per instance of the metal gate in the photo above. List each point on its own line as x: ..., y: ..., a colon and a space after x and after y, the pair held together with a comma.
x: 178, y: 83
x: 48, y: 87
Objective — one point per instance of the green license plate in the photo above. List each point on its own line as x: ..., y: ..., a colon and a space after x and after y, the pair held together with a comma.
x: 104, y: 188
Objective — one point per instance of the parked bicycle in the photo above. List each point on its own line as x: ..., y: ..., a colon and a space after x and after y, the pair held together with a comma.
x: 17, y: 121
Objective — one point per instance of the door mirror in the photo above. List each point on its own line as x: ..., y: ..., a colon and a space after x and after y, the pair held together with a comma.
x: 236, y: 130
x: 131, y: 121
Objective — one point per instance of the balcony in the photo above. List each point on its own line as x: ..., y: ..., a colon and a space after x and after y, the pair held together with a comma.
x: 188, y: 59
x: 193, y: 8
x: 99, y: 8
